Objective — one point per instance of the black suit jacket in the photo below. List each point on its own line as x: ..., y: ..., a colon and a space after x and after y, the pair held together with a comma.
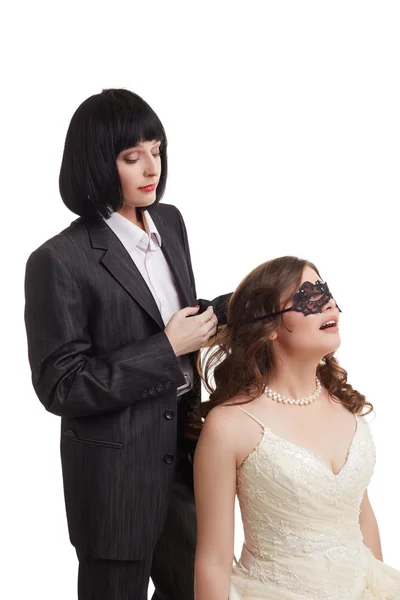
x: 101, y: 360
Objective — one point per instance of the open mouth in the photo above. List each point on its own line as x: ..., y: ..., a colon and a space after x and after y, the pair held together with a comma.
x: 328, y: 325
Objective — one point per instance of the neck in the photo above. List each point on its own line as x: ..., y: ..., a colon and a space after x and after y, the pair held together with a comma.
x: 133, y: 215
x: 294, y: 379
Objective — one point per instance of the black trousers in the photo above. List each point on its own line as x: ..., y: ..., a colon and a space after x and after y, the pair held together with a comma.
x: 171, y: 566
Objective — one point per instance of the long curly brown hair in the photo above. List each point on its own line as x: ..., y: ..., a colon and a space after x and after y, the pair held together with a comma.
x: 240, y: 358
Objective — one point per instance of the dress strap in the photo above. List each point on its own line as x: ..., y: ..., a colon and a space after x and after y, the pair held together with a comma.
x: 252, y: 416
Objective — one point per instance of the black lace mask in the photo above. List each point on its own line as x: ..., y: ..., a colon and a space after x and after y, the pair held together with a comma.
x: 309, y: 300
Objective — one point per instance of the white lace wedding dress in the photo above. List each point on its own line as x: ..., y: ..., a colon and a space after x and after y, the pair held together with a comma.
x: 301, y: 523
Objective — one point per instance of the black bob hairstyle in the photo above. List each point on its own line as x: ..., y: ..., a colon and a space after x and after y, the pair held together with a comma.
x: 103, y: 126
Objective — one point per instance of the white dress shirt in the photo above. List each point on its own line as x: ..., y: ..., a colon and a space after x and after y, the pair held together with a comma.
x: 144, y: 247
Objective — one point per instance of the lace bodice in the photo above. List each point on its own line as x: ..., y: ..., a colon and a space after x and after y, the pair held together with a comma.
x: 301, y: 521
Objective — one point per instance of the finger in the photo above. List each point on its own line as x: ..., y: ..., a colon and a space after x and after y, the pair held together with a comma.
x: 206, y: 315
x: 189, y: 310
x: 213, y: 320
x: 209, y: 329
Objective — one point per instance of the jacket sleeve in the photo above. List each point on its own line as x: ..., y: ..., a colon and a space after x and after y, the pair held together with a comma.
x: 219, y: 304
x: 68, y: 377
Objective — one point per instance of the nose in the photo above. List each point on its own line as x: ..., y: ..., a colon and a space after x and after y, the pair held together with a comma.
x: 151, y: 168
x: 330, y: 305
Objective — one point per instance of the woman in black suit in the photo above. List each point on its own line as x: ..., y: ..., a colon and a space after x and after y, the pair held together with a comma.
x: 113, y: 330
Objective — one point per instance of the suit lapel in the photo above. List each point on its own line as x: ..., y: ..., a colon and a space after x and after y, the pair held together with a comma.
x: 174, y: 253
x: 121, y: 266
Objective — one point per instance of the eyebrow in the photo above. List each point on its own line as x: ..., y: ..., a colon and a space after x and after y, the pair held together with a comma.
x: 140, y: 144
x: 136, y: 148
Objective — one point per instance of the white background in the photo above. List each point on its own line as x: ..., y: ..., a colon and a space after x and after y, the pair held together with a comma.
x: 284, y: 138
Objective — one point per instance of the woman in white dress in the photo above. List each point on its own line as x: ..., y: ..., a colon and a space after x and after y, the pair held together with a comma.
x: 285, y: 431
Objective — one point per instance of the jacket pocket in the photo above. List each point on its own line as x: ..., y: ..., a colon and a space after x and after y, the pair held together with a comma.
x: 72, y: 437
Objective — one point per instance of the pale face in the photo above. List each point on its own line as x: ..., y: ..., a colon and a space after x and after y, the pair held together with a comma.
x: 139, y: 170
x: 305, y: 337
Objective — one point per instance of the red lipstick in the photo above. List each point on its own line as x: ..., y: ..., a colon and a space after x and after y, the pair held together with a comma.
x: 148, y: 188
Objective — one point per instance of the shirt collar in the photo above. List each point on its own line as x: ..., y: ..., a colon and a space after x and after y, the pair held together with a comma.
x: 133, y: 236
x: 151, y: 227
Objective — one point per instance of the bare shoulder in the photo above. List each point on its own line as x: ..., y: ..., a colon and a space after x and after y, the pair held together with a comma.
x: 223, y: 424
x: 227, y: 416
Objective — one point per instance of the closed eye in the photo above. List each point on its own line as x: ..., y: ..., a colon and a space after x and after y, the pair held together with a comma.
x: 132, y: 161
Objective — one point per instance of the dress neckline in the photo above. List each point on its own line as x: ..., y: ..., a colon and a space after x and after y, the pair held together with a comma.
x: 303, y: 449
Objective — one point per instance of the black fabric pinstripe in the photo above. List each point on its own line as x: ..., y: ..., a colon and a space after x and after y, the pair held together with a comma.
x: 101, y: 360
x: 171, y: 565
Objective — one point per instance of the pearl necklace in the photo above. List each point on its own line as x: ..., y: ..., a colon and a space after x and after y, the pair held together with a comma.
x: 292, y: 401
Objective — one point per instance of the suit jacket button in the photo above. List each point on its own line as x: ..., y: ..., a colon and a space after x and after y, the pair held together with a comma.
x: 144, y: 394
x: 167, y: 385
x: 152, y: 391
x: 159, y: 388
x: 169, y: 459
x: 169, y: 414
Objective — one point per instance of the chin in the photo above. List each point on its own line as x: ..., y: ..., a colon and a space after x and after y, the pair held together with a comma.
x: 332, y: 347
x: 147, y: 204
x: 327, y: 348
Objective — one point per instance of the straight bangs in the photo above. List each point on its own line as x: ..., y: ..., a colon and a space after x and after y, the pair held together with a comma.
x: 131, y: 122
